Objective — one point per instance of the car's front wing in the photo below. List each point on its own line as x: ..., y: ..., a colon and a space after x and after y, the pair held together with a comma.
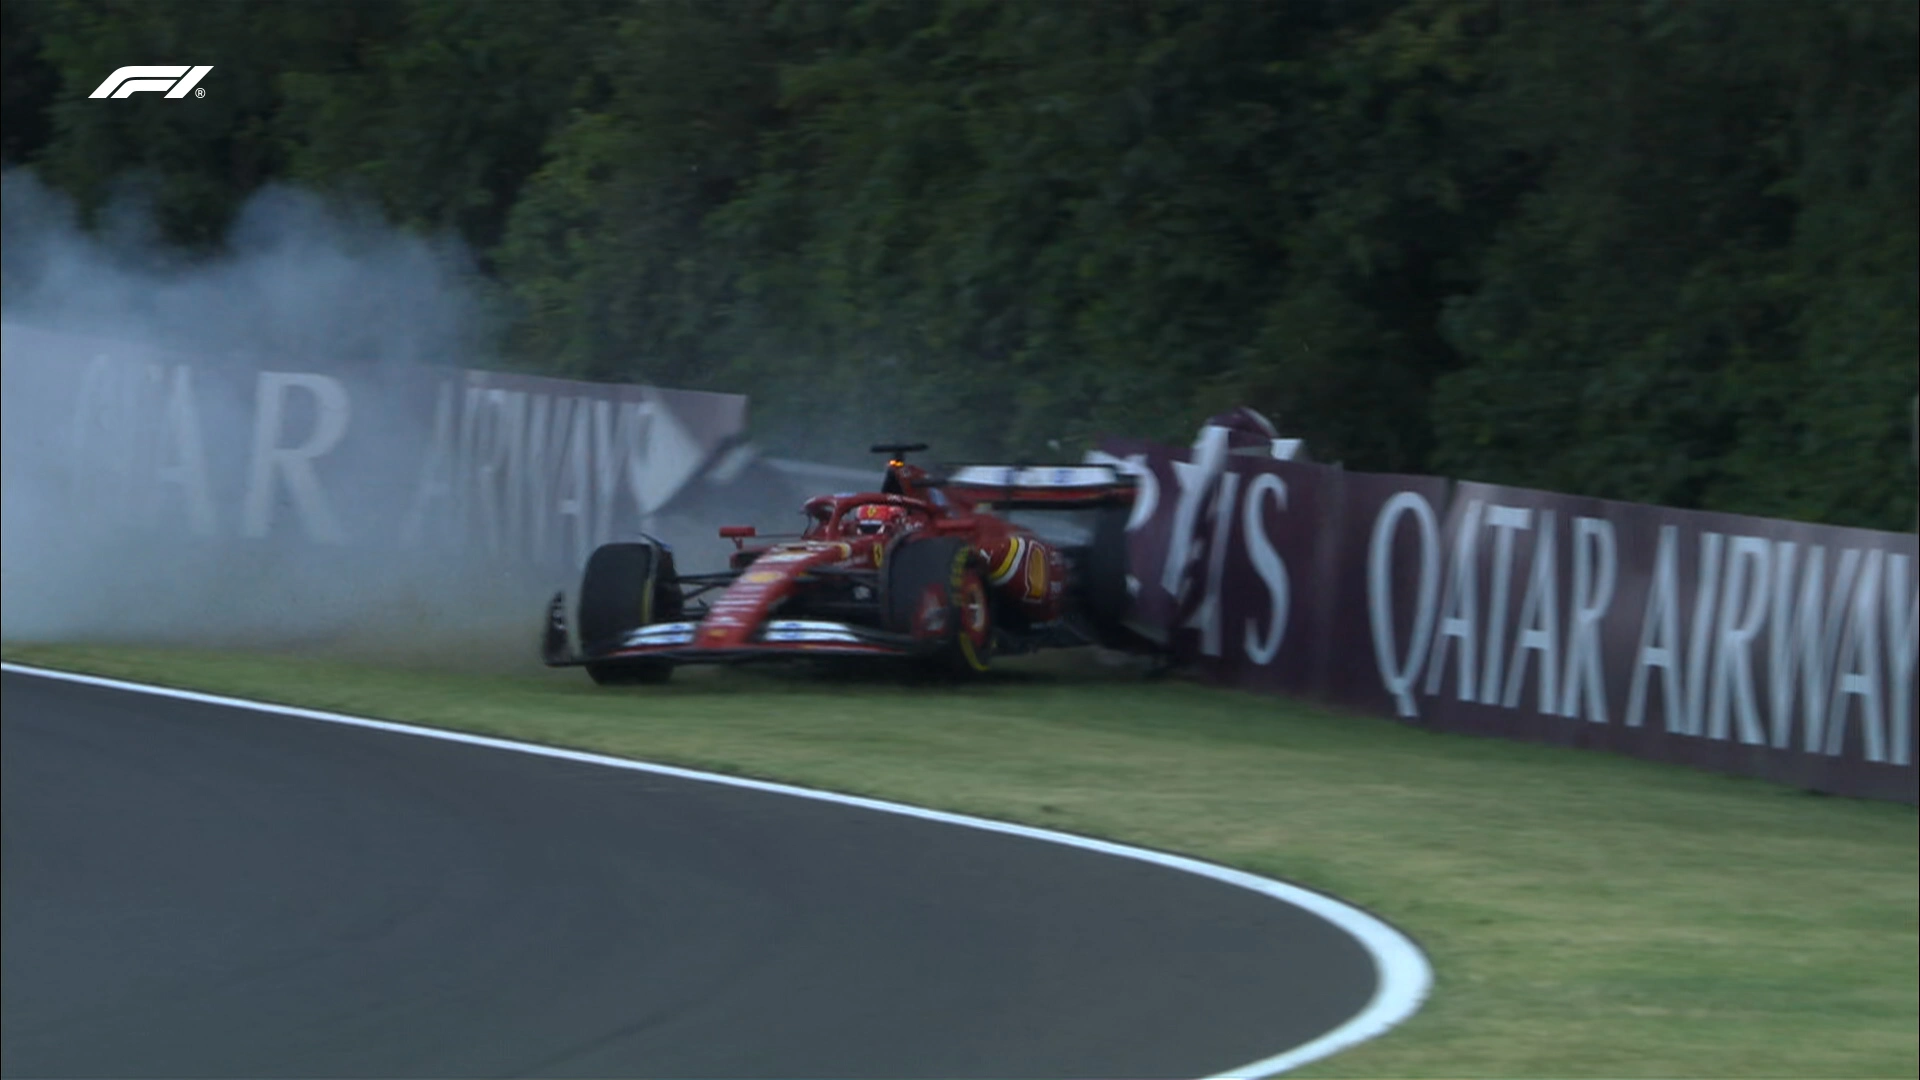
x: 675, y: 642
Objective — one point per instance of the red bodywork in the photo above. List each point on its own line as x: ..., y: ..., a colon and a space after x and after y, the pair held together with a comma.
x: 825, y: 591
x: 1022, y: 569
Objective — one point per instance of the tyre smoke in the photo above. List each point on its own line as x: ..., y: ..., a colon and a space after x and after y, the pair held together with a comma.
x: 210, y: 449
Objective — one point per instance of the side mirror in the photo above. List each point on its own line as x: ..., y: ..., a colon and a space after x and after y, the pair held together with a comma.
x: 736, y: 533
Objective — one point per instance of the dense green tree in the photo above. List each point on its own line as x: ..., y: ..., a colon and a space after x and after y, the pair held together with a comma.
x: 445, y: 116
x: 1397, y: 200
x: 27, y: 81
x: 190, y: 162
x: 1681, y: 312
x: 1030, y: 223
x: 605, y: 249
x: 1826, y: 432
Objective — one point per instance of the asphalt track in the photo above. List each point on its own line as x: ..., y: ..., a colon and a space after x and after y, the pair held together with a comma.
x: 198, y: 890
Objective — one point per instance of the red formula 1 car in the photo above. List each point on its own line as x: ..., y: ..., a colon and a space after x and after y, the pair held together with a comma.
x: 930, y: 567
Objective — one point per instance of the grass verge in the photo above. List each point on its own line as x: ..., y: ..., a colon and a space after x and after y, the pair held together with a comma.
x: 1586, y: 915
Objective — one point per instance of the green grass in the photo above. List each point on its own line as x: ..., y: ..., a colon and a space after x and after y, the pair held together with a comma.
x: 1586, y: 915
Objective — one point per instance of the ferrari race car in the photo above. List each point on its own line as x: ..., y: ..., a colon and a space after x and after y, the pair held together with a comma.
x: 930, y: 568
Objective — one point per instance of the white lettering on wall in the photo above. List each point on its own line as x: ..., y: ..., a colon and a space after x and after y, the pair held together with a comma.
x: 1271, y: 568
x: 1539, y: 624
x: 1459, y: 608
x: 1903, y: 650
x: 1706, y: 587
x: 576, y: 489
x: 294, y: 464
x: 1504, y: 521
x: 438, y: 467
x: 1206, y: 616
x: 1196, y: 480
x: 1859, y: 667
x: 497, y: 472
x: 1804, y: 639
x: 535, y: 475
x: 620, y: 454
x: 1398, y: 674
x: 183, y: 458
x: 1743, y: 605
x: 1595, y: 563
x: 107, y: 448
x: 1660, y: 636
x: 546, y: 443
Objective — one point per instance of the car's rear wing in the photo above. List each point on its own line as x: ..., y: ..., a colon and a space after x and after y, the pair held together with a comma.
x: 1039, y: 487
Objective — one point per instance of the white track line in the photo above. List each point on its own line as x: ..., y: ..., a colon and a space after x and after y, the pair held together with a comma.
x: 1404, y: 975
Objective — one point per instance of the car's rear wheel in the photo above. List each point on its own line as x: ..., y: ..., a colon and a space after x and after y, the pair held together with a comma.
x: 937, y: 592
x: 626, y: 586
x: 1100, y: 584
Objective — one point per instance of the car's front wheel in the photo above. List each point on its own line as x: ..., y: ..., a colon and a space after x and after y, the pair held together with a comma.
x: 937, y: 592
x: 626, y: 586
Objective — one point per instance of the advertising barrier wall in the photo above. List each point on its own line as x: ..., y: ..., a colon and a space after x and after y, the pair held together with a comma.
x: 525, y: 470
x: 1765, y: 648
x: 1751, y: 646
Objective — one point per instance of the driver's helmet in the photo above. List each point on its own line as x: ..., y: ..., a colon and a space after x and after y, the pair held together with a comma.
x: 878, y: 519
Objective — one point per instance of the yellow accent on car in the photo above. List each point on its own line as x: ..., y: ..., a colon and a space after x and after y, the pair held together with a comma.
x: 1001, y: 573
x: 1036, y: 577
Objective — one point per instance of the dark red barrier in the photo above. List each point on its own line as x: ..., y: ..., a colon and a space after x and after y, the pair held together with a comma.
x: 1751, y: 646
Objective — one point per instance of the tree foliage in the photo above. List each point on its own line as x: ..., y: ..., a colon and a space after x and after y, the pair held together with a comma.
x: 1661, y: 250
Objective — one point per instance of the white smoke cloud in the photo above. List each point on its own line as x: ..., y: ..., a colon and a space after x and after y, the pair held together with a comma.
x: 109, y: 532
x: 299, y: 280
x: 171, y: 467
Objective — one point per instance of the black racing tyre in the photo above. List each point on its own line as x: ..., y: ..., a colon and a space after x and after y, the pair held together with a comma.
x: 936, y: 589
x: 626, y: 586
x: 1102, y: 578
